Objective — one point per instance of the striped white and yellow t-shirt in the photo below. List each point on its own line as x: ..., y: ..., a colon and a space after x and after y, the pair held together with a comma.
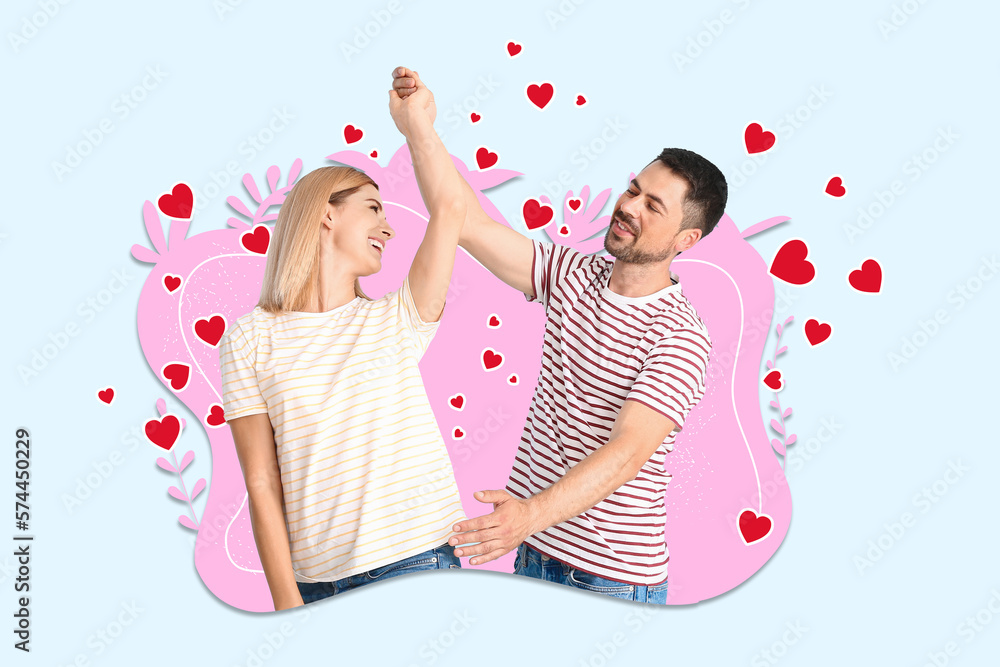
x: 365, y: 473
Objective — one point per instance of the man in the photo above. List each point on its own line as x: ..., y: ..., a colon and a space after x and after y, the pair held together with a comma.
x: 624, y: 359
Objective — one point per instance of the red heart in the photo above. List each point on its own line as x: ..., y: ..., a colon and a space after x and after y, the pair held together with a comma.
x: 512, y: 379
x: 373, y: 154
x: 492, y: 360
x: 574, y: 203
x: 178, y: 373
x: 536, y: 215
x: 790, y: 263
x: 352, y: 134
x: 564, y: 231
x: 540, y: 94
x: 835, y: 187
x: 256, y: 240
x: 457, y: 433
x: 757, y: 139
x: 868, y: 278
x: 106, y: 395
x: 210, y: 330
x: 816, y: 332
x: 216, y: 416
x: 773, y: 380
x: 178, y: 203
x: 474, y: 117
x: 494, y: 321
x: 457, y: 401
x: 752, y: 527
x: 171, y: 282
x: 163, y: 432
x: 484, y: 158
x: 513, y: 49
x: 580, y: 100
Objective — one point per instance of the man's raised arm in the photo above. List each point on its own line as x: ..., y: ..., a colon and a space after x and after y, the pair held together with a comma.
x: 504, y: 252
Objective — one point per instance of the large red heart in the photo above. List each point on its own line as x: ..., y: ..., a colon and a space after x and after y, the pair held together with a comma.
x: 773, y: 380
x: 835, y: 187
x: 171, y: 282
x: 536, y: 215
x: 256, y: 240
x: 513, y: 48
x: 757, y: 139
x: 752, y: 527
x: 790, y: 263
x: 492, y: 360
x: 352, y: 134
x: 485, y: 158
x: 816, y: 332
x: 178, y: 373
x: 457, y: 401
x: 540, y: 95
x: 106, y: 395
x: 210, y: 330
x: 163, y: 432
x: 216, y: 416
x: 868, y: 278
x: 178, y: 203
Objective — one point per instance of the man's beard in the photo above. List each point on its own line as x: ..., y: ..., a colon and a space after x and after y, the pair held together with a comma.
x: 623, y: 248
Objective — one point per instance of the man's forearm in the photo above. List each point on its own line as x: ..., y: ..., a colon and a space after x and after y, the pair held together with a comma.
x: 587, y: 483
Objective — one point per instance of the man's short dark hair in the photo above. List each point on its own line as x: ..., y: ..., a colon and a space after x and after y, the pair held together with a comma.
x: 707, y: 191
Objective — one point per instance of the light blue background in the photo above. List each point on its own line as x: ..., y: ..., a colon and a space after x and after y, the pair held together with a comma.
x: 62, y: 240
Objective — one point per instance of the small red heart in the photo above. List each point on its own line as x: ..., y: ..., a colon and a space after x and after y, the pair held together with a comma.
x: 757, y: 139
x: 178, y: 373
x: 106, y: 395
x: 373, y: 154
x: 790, y: 263
x: 178, y: 203
x: 868, y: 278
x: 485, y: 158
x: 773, y: 380
x: 210, y: 330
x: 536, y: 214
x: 816, y: 332
x: 474, y: 117
x: 513, y: 49
x: 752, y: 527
x: 512, y: 379
x: 494, y: 321
x: 256, y: 240
x: 564, y: 231
x: 457, y: 401
x: 835, y: 187
x: 580, y: 100
x: 574, y: 203
x: 171, y: 282
x: 163, y: 432
x: 457, y: 433
x: 352, y: 134
x: 492, y: 360
x: 215, y: 416
x: 540, y: 95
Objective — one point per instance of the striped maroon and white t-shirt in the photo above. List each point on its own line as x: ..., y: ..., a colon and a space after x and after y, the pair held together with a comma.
x: 601, y: 349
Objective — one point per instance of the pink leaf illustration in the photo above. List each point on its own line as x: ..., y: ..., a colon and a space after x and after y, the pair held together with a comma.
x: 783, y: 348
x: 770, y: 364
x: 776, y: 425
x: 165, y: 464
x: 787, y: 412
x: 187, y: 460
x: 774, y: 404
x: 187, y: 522
x: 790, y: 318
x: 778, y: 446
x: 779, y: 329
x: 239, y: 205
x: 791, y: 439
x: 177, y: 493
x: 199, y: 485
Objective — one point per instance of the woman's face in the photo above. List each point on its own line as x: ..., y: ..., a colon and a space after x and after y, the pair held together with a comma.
x: 355, y: 223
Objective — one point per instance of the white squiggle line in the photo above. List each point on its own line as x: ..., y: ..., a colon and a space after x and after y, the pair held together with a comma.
x: 732, y: 382
x: 226, y: 540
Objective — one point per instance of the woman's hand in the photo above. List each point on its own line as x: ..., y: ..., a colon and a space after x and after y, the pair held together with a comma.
x: 411, y: 103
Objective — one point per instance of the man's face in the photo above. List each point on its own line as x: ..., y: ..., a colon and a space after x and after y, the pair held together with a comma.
x: 650, y: 211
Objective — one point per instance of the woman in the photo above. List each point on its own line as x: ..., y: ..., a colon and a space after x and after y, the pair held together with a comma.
x: 348, y: 478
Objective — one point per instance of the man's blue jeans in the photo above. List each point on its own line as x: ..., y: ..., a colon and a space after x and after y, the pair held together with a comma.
x: 439, y: 558
x: 531, y: 563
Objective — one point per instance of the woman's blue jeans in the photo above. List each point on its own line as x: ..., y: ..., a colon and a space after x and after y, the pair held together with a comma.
x: 531, y: 563
x: 439, y: 558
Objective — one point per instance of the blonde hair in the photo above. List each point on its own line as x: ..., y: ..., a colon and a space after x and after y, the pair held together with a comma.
x: 291, y: 275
